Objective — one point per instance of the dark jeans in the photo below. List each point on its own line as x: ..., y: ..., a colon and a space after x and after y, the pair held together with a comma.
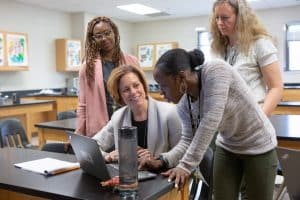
x: 259, y: 173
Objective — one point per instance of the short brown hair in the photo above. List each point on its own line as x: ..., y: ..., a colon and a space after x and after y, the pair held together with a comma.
x: 115, y: 77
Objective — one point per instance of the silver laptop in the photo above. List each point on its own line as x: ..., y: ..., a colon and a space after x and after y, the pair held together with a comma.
x: 290, y: 163
x: 92, y: 161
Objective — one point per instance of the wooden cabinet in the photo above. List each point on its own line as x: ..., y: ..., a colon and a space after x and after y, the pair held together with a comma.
x: 290, y: 104
x: 62, y: 103
x: 291, y: 95
x: 30, y: 112
x: 68, y: 54
x: 157, y: 96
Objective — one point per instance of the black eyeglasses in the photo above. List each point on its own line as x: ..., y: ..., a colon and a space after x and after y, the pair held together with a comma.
x: 100, y: 36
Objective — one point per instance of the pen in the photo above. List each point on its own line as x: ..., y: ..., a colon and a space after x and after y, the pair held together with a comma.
x: 61, y: 170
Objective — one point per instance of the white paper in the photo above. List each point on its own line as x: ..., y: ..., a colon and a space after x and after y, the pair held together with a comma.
x: 47, y: 166
x: 278, y: 180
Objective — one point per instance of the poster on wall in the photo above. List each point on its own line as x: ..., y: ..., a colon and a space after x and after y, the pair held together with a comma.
x: 161, y: 48
x: 73, y: 53
x: 146, y: 55
x: 17, y: 53
x: 1, y: 49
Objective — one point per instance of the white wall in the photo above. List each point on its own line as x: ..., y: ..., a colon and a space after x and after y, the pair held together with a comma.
x: 274, y: 19
x: 183, y: 31
x: 43, y: 27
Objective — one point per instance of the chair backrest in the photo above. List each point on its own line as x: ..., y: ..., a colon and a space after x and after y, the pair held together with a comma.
x: 12, y: 133
x: 66, y: 115
x: 290, y: 162
x: 206, y: 168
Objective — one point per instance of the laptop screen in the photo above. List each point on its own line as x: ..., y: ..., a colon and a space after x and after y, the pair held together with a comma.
x: 92, y: 161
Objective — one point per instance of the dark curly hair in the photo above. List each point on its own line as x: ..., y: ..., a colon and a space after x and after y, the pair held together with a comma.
x: 92, y: 50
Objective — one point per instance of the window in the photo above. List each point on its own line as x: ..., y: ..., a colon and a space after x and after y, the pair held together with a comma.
x: 293, y: 46
x: 203, y: 43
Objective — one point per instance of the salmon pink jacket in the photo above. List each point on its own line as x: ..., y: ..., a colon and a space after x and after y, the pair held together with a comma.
x: 92, y: 110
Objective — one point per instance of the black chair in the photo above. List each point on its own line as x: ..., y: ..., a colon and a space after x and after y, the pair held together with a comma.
x: 206, y: 169
x: 13, y: 134
x: 58, y: 148
x: 282, y: 188
x: 61, y: 147
x: 66, y: 115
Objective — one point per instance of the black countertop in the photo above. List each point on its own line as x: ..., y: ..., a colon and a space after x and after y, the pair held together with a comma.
x: 292, y: 86
x: 65, y: 124
x: 71, y: 185
x: 289, y: 103
x: 52, y: 95
x: 287, y: 127
x: 9, y: 103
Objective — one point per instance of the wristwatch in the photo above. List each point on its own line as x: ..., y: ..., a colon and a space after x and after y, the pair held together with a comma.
x: 164, y: 162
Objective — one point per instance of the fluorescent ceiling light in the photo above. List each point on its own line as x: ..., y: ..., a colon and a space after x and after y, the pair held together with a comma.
x: 139, y: 9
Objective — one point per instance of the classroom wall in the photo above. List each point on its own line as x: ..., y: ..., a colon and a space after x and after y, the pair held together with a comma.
x: 183, y: 31
x: 43, y: 27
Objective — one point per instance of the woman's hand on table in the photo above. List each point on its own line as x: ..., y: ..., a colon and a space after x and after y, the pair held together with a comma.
x: 180, y: 175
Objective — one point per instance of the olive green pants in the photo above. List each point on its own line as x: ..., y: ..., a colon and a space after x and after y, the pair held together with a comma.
x: 259, y: 173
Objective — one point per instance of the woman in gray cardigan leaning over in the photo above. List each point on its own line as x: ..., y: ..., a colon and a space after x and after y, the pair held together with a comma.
x: 159, y: 127
x: 215, y: 98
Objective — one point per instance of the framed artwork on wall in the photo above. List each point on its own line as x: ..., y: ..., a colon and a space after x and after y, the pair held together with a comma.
x: 161, y: 48
x: 146, y: 56
x: 149, y: 53
x: 17, y: 50
x: 73, y: 53
x: 68, y: 54
x: 2, y: 49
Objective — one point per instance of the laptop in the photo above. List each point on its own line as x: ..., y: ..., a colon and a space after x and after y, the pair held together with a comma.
x: 92, y: 161
x: 290, y: 163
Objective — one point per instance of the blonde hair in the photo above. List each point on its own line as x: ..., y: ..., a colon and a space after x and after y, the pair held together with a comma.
x: 248, y: 28
x: 115, y: 77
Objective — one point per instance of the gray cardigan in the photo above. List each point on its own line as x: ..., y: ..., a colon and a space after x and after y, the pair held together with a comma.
x: 164, y: 127
x: 228, y: 106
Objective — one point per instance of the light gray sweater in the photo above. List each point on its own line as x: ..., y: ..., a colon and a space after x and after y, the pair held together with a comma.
x: 164, y: 127
x: 227, y: 106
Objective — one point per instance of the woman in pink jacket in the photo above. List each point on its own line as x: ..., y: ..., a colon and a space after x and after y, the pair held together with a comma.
x: 102, y: 55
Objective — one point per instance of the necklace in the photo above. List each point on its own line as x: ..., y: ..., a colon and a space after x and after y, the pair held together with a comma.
x: 231, y: 55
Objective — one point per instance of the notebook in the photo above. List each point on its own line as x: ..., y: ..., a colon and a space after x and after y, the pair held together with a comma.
x: 47, y: 166
x: 290, y: 163
x: 92, y: 161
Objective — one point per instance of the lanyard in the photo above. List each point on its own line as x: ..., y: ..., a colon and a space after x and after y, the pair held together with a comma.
x: 231, y: 56
x: 194, y: 123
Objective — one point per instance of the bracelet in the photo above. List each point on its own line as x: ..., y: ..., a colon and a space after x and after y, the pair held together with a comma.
x: 164, y: 162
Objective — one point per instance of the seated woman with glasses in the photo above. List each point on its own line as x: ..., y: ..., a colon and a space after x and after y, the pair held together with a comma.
x: 157, y: 122
x: 102, y: 55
